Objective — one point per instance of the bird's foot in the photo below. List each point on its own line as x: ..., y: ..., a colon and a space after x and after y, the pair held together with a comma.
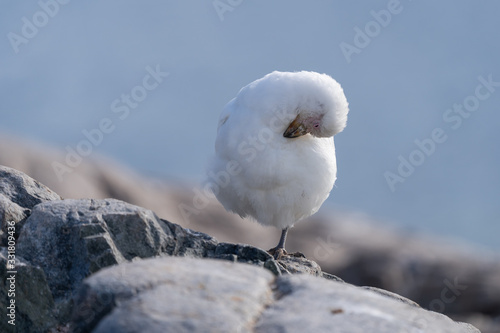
x: 277, y: 252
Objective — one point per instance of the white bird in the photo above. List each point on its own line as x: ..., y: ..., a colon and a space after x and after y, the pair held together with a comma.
x: 274, y: 151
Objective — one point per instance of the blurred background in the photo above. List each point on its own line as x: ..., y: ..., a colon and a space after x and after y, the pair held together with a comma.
x: 122, y: 98
x: 66, y: 67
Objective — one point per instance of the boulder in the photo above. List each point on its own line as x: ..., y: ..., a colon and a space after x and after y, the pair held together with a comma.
x: 34, y: 304
x: 173, y: 295
x: 64, y: 241
x: 305, y: 303
x: 71, y: 239
x: 193, y: 295
x: 19, y: 193
x: 60, y: 243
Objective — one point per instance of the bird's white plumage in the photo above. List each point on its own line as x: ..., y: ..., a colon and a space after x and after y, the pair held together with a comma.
x: 258, y: 172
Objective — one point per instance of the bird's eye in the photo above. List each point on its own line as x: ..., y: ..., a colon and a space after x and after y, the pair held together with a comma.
x: 316, y: 125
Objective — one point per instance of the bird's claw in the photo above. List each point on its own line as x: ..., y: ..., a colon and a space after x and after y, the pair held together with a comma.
x: 277, y: 252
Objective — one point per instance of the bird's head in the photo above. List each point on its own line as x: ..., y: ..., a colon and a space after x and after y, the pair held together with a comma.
x: 322, y: 107
x: 306, y: 123
x: 293, y: 104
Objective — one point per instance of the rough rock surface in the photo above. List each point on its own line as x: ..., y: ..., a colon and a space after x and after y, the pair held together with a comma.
x: 62, y: 242
x: 173, y: 295
x: 18, y: 195
x: 70, y: 239
x: 192, y: 295
x: 327, y: 306
x: 34, y: 302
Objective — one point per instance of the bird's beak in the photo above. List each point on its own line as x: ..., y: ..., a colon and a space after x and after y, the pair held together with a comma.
x: 295, y: 129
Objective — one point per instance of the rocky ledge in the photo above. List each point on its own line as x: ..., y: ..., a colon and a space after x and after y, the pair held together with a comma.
x: 109, y: 266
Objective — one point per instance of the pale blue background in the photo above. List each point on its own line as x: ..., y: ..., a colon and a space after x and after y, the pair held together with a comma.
x: 428, y: 58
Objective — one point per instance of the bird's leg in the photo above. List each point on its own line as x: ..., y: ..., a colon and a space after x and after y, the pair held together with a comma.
x: 281, y: 244
x: 279, y: 251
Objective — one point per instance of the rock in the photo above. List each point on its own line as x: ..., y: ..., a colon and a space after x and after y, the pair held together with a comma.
x: 61, y: 242
x: 241, y: 253
x: 173, y: 295
x: 34, y: 301
x: 86, y: 235
x: 18, y: 195
x: 452, y: 279
x: 10, y: 212
x: 68, y: 240
x: 193, y: 295
x: 391, y: 295
x: 309, y: 304
x: 294, y: 265
x: 24, y: 190
x: 71, y: 239
x: 439, y: 274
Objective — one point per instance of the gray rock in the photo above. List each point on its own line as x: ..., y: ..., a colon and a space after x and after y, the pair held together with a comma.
x: 18, y: 195
x: 10, y: 211
x: 294, y: 265
x: 71, y: 239
x: 193, y: 295
x: 34, y: 304
x: 62, y: 242
x: 308, y: 304
x: 173, y: 295
x: 24, y: 190
x: 392, y: 295
x: 242, y: 253
x: 247, y: 254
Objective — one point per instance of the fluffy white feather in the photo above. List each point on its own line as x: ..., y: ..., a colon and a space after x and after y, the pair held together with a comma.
x: 257, y: 171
